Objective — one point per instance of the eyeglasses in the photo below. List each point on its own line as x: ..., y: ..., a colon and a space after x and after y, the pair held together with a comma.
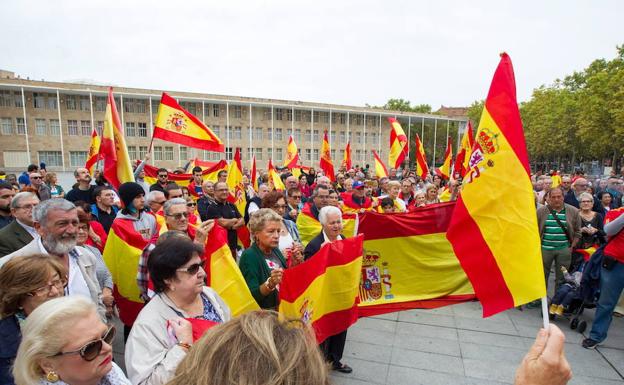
x: 191, y: 204
x: 160, y: 203
x: 59, y: 284
x: 162, y: 176
x: 35, y: 177
x: 296, y: 197
x: 178, y: 216
x: 193, y: 269
x: 92, y: 349
x: 27, y: 207
x: 587, y: 202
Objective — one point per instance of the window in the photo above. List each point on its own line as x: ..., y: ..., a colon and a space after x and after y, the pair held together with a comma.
x: 236, y: 112
x: 269, y: 134
x: 70, y: 102
x: 342, y: 155
x: 298, y: 135
x: 228, y: 153
x: 85, y: 104
x: 358, y: 137
x: 99, y: 127
x: 40, y: 126
x: 142, y: 152
x: 289, y: 114
x: 238, y: 133
x: 332, y: 136
x: 278, y: 154
x: 317, y: 136
x: 132, y: 152
x: 191, y: 107
x: 15, y: 159
x: 306, y: 116
x: 258, y: 135
x: 308, y: 136
x: 158, y: 153
x: 267, y: 114
x: 278, y: 134
x: 52, y: 158
x: 130, y: 129
x: 333, y: 154
x: 52, y: 105
x: 373, y: 138
x: 139, y: 106
x: 142, y: 129
x: 258, y: 153
x: 278, y: 114
x: 6, y: 99
x: 206, y: 110
x: 78, y: 158
x: 21, y: 126
x: 357, y: 119
x: 129, y: 105
x: 298, y: 115
x: 343, y: 137
x: 7, y: 126
x: 215, y: 110
x: 19, y: 102
x: 211, y: 155
x: 321, y: 117
x: 72, y: 127
x: 184, y: 153
x: 100, y: 103
x: 269, y: 153
x: 155, y: 105
x: 316, y: 154
x: 216, y: 130
x: 168, y: 153
x: 339, y: 118
x: 85, y: 128
x: 308, y: 154
x: 38, y: 100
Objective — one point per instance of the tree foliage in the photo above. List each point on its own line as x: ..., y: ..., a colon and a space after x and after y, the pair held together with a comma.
x: 474, y: 112
x: 405, y: 106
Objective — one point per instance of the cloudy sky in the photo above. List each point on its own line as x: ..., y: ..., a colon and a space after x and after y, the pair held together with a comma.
x: 345, y: 52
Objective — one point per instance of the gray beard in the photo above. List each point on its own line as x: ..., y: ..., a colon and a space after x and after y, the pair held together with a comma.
x: 58, y: 247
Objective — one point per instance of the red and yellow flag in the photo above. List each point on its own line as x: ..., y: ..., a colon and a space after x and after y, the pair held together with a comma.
x: 380, y: 169
x: 422, y: 169
x: 254, y: 174
x: 113, y: 149
x: 175, y: 124
x: 151, y: 174
x: 309, y: 227
x: 224, y: 276
x: 94, y: 151
x: 326, y: 162
x: 462, y: 160
x: 556, y: 179
x: 201, y: 163
x: 497, y: 240
x: 275, y: 182
x: 444, y: 171
x: 292, y: 154
x: 235, y: 183
x: 399, y: 146
x: 323, y: 291
x: 346, y: 159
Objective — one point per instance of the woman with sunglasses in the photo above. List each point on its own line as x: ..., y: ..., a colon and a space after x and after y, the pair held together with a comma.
x: 191, y: 209
x: 66, y: 342
x: 25, y: 283
x: 183, y: 307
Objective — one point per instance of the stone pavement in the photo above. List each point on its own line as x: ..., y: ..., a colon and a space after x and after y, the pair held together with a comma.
x: 454, y: 345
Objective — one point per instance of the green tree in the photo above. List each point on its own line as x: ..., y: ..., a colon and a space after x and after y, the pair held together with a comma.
x: 474, y: 112
x: 405, y: 106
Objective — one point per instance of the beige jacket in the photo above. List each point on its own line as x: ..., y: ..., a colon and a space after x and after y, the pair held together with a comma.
x: 573, y: 222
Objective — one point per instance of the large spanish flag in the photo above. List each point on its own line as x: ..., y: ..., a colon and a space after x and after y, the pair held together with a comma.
x: 175, y: 124
x: 346, y: 159
x: 224, y: 275
x: 323, y: 291
x: 326, y: 161
x: 444, y: 171
x: 275, y: 182
x: 494, y: 228
x: 94, y: 151
x: 113, y: 150
x: 235, y: 183
x: 121, y: 255
x: 309, y: 227
x: 292, y: 154
x: 151, y: 174
x: 399, y: 146
x: 380, y: 168
x: 462, y: 160
x: 422, y: 169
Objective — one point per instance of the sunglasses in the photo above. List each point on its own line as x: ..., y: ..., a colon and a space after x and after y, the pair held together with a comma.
x: 162, y: 176
x: 191, y: 204
x: 35, y: 177
x: 178, y: 216
x: 193, y: 269
x: 92, y: 349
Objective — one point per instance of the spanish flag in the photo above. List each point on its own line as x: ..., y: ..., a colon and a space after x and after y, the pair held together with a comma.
x: 444, y: 171
x: 151, y: 174
x: 422, y: 169
x: 235, y: 183
x: 175, y: 124
x: 346, y: 160
x: 224, y: 275
x: 399, y: 147
x: 556, y: 179
x: 463, y: 156
x: 309, y: 227
x: 113, y: 150
x: 380, y: 168
x: 94, y: 151
x: 254, y: 174
x: 323, y: 291
x: 121, y: 255
x: 201, y: 163
x: 326, y: 162
x: 275, y: 182
x: 493, y: 229
x: 292, y: 154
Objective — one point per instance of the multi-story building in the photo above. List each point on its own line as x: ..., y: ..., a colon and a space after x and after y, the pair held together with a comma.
x: 51, y: 122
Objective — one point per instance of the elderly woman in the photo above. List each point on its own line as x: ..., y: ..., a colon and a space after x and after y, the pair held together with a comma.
x: 65, y: 342
x: 592, y: 231
x: 603, y: 204
x: 162, y: 333
x: 191, y: 210
x: 289, y: 240
x: 263, y: 264
x: 394, y: 188
x: 25, y: 283
x: 420, y: 198
x: 431, y: 194
x: 331, y: 221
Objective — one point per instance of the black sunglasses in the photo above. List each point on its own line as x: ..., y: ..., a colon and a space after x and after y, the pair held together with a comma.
x: 193, y: 269
x: 92, y: 349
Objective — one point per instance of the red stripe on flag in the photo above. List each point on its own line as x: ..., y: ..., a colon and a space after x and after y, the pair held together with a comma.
x: 335, y: 322
x: 171, y: 102
x: 478, y: 262
x: 190, y: 141
x: 369, y: 311
x: 124, y: 229
x: 128, y: 310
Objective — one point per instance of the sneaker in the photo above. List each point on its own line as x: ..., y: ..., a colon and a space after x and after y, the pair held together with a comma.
x: 559, y: 310
x: 552, y: 309
x: 588, y: 343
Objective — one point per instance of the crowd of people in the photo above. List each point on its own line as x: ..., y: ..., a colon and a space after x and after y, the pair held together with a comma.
x: 57, y: 296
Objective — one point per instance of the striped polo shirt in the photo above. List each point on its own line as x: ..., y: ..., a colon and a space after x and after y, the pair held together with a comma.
x: 554, y: 237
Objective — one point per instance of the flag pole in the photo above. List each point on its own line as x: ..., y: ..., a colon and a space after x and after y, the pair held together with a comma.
x: 545, y: 312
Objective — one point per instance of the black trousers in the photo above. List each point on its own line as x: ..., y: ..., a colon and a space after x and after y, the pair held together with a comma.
x: 333, y: 347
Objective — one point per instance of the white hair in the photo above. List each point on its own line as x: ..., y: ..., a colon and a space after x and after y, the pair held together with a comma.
x: 153, y: 195
x: 329, y: 210
x: 40, y: 212
x: 17, y: 199
x: 173, y: 202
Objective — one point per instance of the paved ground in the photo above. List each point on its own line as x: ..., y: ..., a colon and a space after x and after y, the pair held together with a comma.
x: 454, y: 345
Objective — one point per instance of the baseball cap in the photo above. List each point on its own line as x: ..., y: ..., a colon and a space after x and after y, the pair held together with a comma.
x: 358, y: 184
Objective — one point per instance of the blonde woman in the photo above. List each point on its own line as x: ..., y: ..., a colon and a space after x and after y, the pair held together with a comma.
x: 431, y: 194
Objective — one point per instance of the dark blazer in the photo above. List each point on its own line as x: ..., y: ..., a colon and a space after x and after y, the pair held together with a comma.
x: 570, y: 198
x: 315, y: 245
x: 12, y: 238
x: 10, y: 338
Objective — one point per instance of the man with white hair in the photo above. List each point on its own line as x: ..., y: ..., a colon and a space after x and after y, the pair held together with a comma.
x: 323, y: 181
x: 21, y: 231
x: 331, y: 221
x: 176, y: 217
x: 572, y: 197
x: 56, y: 222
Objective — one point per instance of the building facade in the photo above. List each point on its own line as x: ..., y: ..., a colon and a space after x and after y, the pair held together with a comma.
x: 51, y: 122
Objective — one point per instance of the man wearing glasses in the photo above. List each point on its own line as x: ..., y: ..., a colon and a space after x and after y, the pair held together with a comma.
x: 21, y: 231
x: 38, y: 187
x: 293, y: 200
x: 163, y: 180
x: 176, y: 218
x: 572, y: 197
x: 226, y: 214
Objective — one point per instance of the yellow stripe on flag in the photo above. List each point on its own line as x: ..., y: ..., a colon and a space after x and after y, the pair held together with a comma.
x: 123, y: 260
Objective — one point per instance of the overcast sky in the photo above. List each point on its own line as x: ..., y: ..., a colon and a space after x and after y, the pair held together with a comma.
x: 344, y: 52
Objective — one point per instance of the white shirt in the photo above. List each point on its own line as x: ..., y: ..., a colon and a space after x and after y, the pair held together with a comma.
x: 76, y: 283
x: 327, y: 239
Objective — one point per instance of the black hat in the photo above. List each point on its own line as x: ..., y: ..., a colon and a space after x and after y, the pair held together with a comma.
x: 128, y: 191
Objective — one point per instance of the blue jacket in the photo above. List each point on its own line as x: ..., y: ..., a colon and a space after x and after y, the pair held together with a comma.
x: 10, y: 338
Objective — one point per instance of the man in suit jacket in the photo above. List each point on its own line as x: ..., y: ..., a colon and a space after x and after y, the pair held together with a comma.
x: 21, y: 231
